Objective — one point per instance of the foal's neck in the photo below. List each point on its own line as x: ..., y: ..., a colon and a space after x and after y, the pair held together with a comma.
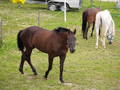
x: 64, y: 37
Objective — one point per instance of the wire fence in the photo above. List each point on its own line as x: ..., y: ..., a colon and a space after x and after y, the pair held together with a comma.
x: 1, y: 36
x: 40, y: 20
x: 100, y: 3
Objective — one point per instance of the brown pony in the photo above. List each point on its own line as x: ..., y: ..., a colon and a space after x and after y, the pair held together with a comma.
x: 88, y: 17
x: 54, y: 43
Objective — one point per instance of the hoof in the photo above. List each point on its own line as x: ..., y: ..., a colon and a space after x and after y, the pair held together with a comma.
x: 110, y: 42
x: 35, y: 73
x: 21, y: 71
x: 104, y: 46
x: 91, y: 34
x: 45, y: 77
x: 86, y: 38
x: 62, y: 81
x: 96, y: 47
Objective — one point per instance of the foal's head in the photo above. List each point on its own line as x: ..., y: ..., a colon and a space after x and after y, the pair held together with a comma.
x: 71, y: 39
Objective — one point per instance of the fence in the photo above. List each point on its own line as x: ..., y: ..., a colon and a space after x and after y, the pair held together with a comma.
x: 51, y: 19
x: 1, y: 36
x: 100, y: 3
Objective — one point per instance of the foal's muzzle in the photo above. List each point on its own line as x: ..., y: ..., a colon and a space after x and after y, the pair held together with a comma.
x: 72, y: 50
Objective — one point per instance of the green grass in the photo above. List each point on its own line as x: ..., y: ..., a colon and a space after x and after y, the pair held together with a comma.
x: 87, y: 69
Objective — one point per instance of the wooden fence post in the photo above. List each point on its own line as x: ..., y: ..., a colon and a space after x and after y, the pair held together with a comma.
x: 38, y: 18
x: 91, y: 2
x: 100, y: 4
x: 1, y: 36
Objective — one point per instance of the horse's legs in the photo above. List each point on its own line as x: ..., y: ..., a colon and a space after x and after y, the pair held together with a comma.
x: 22, y: 63
x: 62, y: 59
x: 86, y: 31
x: 97, y: 37
x: 103, y: 39
x: 50, y: 60
x: 28, y: 54
x: 103, y: 42
x: 93, y: 29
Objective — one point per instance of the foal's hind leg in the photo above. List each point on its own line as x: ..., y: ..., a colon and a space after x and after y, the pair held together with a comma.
x: 50, y: 60
x: 22, y: 63
x: 92, y: 29
x: 28, y: 54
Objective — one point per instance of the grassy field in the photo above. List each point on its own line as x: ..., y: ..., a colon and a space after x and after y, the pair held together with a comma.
x: 87, y: 69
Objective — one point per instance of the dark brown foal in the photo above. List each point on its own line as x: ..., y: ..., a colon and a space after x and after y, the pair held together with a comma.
x: 54, y: 43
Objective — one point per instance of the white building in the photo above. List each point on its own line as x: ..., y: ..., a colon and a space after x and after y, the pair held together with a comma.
x: 110, y: 0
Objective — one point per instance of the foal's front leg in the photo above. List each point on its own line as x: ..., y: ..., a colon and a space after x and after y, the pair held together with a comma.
x: 22, y: 63
x: 28, y: 54
x: 62, y: 59
x: 50, y: 62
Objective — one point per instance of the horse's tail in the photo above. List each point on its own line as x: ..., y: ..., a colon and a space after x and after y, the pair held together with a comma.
x: 98, y: 24
x: 113, y: 28
x: 19, y: 42
x: 84, y: 21
x: 101, y: 22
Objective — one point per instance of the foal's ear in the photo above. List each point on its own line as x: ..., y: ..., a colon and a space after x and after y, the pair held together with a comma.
x: 74, y: 31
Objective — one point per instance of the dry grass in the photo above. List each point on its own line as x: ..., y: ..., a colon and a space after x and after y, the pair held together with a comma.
x: 87, y: 69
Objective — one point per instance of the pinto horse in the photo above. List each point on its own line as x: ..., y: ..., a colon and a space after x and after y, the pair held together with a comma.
x: 88, y: 18
x: 54, y: 43
x: 105, y: 27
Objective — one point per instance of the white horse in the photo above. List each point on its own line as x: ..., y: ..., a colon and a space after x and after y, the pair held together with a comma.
x: 105, y: 27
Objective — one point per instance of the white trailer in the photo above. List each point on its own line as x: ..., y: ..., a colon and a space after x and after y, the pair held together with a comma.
x: 59, y: 4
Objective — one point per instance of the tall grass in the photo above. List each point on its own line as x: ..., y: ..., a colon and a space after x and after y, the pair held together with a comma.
x: 87, y: 69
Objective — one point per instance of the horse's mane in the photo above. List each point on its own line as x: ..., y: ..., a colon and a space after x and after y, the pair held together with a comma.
x: 61, y: 29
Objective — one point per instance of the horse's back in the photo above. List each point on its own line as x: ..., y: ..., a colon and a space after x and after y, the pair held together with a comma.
x: 46, y: 41
x: 42, y: 37
x: 104, y: 22
x: 28, y: 35
x: 28, y: 32
x: 91, y: 14
x: 105, y: 17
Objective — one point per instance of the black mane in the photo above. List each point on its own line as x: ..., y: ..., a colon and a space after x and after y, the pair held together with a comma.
x: 61, y: 29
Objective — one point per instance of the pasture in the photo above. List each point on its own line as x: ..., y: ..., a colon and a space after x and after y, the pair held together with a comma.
x: 86, y: 69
